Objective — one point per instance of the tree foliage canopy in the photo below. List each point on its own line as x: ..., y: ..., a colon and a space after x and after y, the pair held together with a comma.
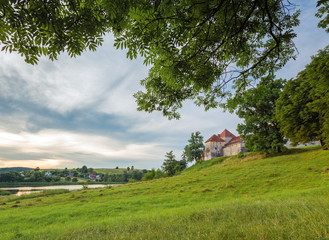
x: 256, y: 107
x: 194, y: 47
x: 38, y: 27
x: 302, y: 109
x: 323, y: 10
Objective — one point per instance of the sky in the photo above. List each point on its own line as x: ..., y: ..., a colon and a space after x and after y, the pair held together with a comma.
x: 80, y: 111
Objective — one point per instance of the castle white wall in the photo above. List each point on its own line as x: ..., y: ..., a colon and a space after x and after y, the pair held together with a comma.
x: 212, y: 150
x: 232, y: 149
x: 217, y: 149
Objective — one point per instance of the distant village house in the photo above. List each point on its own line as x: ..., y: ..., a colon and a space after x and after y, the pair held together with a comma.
x: 94, y: 177
x: 224, y: 144
x: 70, y: 174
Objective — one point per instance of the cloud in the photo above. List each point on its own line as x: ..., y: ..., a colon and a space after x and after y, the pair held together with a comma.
x: 41, y: 163
x: 63, y: 147
x: 54, y: 141
x: 77, y: 111
x: 70, y: 84
x: 309, y: 40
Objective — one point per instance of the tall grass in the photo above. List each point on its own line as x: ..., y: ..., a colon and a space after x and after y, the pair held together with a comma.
x: 244, y: 197
x: 289, y: 219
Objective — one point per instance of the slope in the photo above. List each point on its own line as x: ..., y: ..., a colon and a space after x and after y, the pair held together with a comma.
x: 250, y: 197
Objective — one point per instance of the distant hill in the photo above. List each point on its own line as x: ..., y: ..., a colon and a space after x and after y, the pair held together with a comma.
x: 16, y: 169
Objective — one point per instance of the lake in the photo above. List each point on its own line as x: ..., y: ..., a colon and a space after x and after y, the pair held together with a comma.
x: 18, y: 191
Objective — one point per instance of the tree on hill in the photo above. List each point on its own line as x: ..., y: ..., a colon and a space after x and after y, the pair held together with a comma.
x: 171, y: 166
x: 149, y: 175
x: 158, y: 174
x: 84, y: 169
x: 137, y: 175
x: 184, y: 158
x: 302, y: 109
x: 256, y: 107
x: 169, y: 163
x: 194, y: 149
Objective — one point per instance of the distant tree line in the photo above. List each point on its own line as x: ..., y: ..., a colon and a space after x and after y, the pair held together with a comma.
x: 28, y: 176
x: 126, y: 176
x: 71, y: 175
x: 11, y: 176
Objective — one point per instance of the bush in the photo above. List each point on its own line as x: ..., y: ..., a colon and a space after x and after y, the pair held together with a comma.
x: 158, y: 174
x: 149, y: 176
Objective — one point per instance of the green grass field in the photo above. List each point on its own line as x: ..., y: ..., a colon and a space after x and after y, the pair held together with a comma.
x: 250, y: 197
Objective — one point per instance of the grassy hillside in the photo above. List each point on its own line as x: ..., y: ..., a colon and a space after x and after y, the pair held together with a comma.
x: 251, y: 197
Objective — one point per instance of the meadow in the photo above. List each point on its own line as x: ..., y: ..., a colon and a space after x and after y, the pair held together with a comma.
x: 248, y: 196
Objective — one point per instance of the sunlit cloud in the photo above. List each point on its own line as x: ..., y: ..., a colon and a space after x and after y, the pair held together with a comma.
x: 57, y: 143
x: 42, y: 163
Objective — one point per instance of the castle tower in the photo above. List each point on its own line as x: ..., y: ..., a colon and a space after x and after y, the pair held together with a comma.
x: 227, y: 136
x: 213, y: 147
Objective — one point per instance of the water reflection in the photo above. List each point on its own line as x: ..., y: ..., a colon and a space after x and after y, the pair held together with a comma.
x: 18, y: 191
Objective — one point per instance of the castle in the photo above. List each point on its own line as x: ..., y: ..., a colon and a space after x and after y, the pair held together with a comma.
x: 224, y: 144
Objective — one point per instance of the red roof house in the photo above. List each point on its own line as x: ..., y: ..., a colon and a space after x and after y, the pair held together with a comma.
x: 215, y: 138
x: 227, y: 134
x: 224, y: 144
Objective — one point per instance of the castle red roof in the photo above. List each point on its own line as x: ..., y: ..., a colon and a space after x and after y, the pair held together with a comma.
x: 226, y: 133
x: 215, y: 138
x: 235, y: 140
